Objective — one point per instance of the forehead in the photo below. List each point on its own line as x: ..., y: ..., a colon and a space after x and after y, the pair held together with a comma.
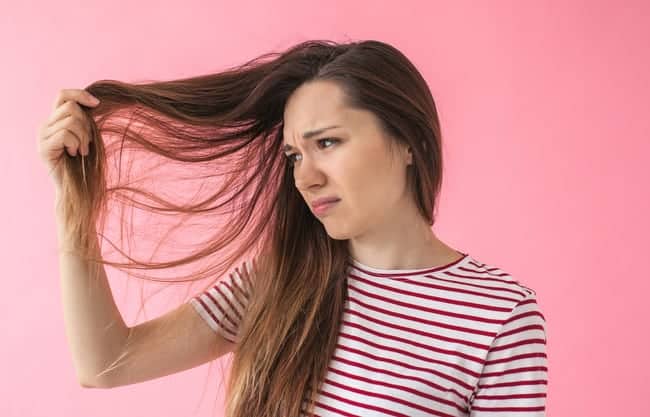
x: 312, y: 106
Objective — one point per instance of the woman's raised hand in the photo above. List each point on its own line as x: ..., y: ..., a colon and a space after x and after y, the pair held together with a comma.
x: 67, y: 128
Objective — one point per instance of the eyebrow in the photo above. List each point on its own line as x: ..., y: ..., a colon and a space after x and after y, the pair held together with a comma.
x: 309, y: 135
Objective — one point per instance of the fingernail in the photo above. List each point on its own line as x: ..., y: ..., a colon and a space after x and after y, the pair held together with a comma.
x: 94, y: 99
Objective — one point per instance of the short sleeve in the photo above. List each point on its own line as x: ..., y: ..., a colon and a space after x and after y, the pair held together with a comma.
x: 222, y: 306
x: 513, y: 381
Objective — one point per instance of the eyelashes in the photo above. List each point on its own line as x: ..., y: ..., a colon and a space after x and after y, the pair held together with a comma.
x: 293, y: 161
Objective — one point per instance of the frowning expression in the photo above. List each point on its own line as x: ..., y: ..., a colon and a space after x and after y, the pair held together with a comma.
x: 342, y: 152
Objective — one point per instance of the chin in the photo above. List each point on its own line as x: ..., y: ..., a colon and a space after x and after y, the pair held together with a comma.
x: 337, y: 234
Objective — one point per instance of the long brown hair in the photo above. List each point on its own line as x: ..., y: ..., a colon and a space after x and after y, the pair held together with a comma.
x: 232, y: 121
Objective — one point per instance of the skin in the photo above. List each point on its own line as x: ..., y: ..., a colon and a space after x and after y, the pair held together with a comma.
x: 377, y: 214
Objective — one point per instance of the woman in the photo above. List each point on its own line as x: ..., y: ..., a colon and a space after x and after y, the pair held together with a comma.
x: 346, y: 302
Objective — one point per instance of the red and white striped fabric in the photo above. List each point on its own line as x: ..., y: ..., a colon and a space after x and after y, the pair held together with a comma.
x: 222, y: 305
x: 463, y: 339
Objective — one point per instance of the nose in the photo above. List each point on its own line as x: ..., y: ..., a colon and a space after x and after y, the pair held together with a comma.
x: 307, y: 174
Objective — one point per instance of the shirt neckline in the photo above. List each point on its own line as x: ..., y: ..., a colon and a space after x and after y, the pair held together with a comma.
x: 402, y: 272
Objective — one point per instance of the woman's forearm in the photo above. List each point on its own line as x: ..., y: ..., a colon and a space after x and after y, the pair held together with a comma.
x: 94, y: 326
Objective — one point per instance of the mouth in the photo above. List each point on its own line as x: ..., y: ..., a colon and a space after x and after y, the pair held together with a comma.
x: 324, y: 208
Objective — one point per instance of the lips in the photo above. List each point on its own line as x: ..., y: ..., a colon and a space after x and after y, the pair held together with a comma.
x: 324, y: 208
x: 322, y: 201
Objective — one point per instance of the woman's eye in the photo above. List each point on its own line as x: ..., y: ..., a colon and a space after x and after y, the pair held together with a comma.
x: 319, y: 141
x: 328, y: 139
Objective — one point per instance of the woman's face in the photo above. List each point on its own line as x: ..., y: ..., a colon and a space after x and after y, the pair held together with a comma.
x: 351, y: 161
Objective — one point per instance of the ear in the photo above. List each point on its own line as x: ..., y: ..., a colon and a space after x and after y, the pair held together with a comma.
x: 409, y: 156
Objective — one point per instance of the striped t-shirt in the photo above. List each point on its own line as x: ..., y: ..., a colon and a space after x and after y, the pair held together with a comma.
x: 463, y: 339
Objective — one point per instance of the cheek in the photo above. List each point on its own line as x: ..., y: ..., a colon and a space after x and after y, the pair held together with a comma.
x: 365, y: 178
x: 369, y: 186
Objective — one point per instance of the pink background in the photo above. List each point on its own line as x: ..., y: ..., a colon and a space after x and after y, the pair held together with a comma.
x: 545, y: 116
